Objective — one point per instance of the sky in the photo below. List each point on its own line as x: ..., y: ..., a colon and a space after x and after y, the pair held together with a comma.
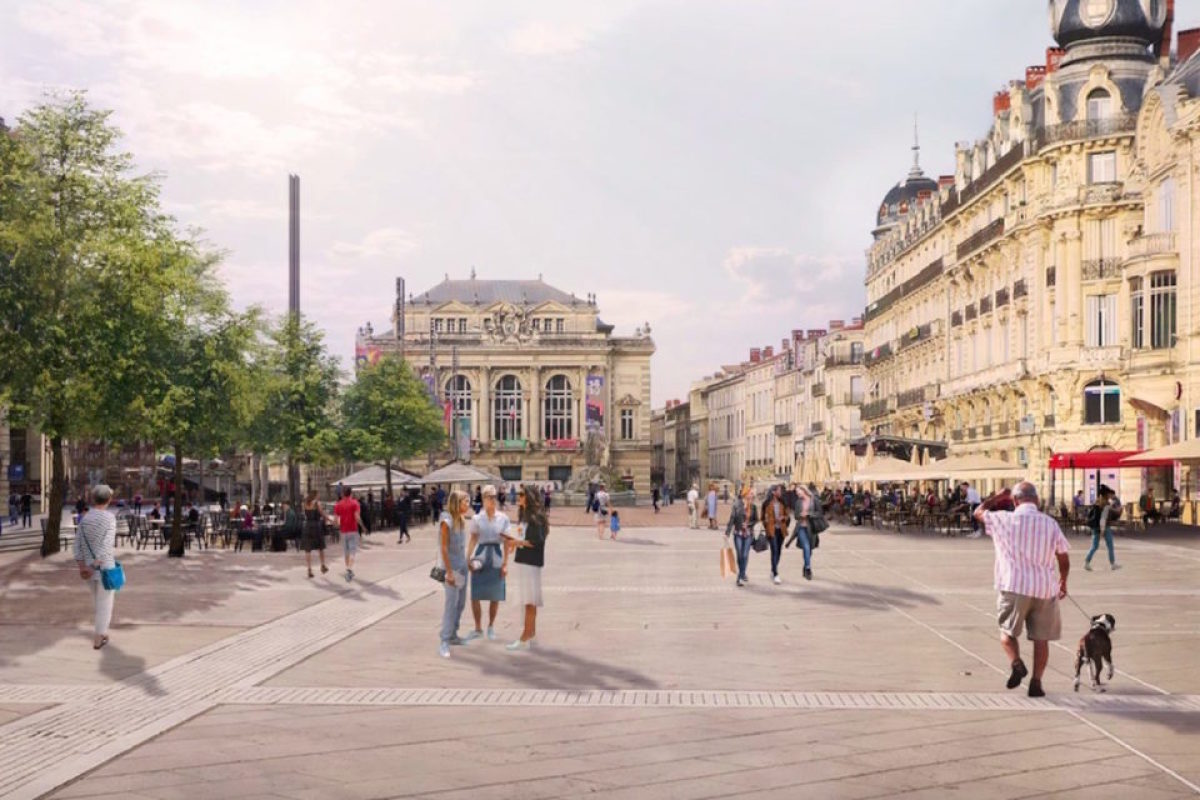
x: 710, y: 167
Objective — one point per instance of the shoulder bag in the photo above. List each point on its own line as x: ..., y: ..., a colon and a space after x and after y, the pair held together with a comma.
x: 112, y: 578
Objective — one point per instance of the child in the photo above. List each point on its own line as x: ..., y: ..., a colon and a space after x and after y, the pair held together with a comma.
x: 615, y: 524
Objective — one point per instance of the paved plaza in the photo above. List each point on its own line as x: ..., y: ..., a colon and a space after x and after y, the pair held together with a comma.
x: 233, y: 675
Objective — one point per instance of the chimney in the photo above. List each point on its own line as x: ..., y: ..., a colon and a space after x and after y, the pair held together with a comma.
x: 945, y: 181
x: 816, y: 334
x: 768, y: 352
x: 784, y: 345
x: 856, y: 322
x: 1001, y: 101
x: 1162, y: 51
x: 1053, y: 56
x: 836, y: 324
x: 1034, y: 76
x: 1189, y: 43
x: 755, y: 355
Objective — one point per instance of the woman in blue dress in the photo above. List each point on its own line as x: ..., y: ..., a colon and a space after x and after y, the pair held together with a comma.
x: 489, y: 562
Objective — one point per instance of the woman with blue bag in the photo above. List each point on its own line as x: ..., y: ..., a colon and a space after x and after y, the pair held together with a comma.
x: 95, y: 539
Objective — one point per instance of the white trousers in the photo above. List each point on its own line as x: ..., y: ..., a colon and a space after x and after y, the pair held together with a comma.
x: 103, y: 600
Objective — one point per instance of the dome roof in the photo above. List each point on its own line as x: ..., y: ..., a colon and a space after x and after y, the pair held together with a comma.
x: 1075, y: 21
x: 903, y: 196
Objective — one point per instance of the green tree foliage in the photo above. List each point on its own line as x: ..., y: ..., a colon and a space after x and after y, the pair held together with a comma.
x: 91, y: 270
x: 388, y: 416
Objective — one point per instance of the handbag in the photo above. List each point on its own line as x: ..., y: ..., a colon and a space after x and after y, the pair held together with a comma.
x: 728, y: 562
x: 111, y: 578
x: 438, y: 574
x: 760, y: 543
x: 817, y: 524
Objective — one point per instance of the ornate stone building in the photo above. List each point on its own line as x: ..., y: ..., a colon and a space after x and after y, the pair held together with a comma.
x: 535, y: 384
x: 1025, y: 307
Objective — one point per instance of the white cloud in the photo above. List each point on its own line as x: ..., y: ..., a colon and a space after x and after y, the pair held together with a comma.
x: 780, y: 276
x: 630, y: 309
x: 388, y: 242
x: 539, y: 38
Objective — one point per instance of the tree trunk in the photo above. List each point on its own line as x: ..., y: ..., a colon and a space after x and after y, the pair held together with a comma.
x: 254, y: 488
x: 264, y: 480
x: 176, y: 549
x: 387, y: 465
x: 58, y: 478
x: 203, y: 502
x: 293, y: 473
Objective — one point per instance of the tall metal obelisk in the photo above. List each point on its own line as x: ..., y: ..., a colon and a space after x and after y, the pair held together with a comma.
x: 293, y: 470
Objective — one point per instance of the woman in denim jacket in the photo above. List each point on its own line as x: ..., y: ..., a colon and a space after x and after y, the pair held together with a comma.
x: 738, y: 528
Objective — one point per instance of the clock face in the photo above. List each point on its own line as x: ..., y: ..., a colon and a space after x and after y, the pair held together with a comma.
x: 1096, y: 12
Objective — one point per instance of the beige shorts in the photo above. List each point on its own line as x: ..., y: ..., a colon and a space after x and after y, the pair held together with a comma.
x: 1038, y: 616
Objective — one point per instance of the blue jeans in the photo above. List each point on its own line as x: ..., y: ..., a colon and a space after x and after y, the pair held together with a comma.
x: 802, y: 538
x: 452, y: 611
x: 1108, y: 542
x: 776, y: 543
x: 741, y: 544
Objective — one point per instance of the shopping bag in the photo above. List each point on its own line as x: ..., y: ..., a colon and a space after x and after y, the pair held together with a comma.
x: 728, y: 562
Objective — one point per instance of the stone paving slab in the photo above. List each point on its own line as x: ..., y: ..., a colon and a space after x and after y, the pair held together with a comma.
x: 867, y: 682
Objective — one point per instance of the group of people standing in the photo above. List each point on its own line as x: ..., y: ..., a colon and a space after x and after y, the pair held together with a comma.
x: 20, y: 506
x: 474, y: 550
x: 778, y: 510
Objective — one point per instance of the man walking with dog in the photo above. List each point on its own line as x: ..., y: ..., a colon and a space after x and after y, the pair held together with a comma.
x: 1029, y: 545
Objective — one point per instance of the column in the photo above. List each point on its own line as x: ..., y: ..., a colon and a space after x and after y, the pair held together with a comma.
x: 1074, y: 278
x: 484, y: 435
x: 5, y: 449
x: 534, y: 433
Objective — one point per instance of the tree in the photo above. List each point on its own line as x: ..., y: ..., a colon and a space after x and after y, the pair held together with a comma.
x: 298, y: 383
x: 84, y: 278
x: 388, y: 417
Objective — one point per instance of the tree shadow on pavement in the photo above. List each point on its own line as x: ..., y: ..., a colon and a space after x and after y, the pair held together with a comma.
x: 551, y: 668
x: 852, y: 595
x: 43, y: 601
x: 129, y: 669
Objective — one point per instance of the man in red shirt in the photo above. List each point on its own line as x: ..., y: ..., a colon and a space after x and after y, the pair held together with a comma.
x: 349, y: 522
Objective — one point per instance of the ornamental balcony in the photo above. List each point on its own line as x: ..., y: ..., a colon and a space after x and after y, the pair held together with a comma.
x: 1085, y: 129
x: 1020, y: 289
x: 849, y: 398
x: 1048, y: 421
x: 1001, y: 298
x: 983, y: 236
x: 817, y: 428
x: 956, y: 435
x: 912, y: 397
x: 818, y: 390
x: 876, y: 409
x: 843, y: 360
x: 1051, y: 277
x: 970, y: 312
x: 990, y: 376
x: 879, y: 354
x: 783, y: 429
x: 562, y: 445
x: 956, y: 319
x: 985, y: 305
x: 1098, y: 269
x: 509, y: 445
x: 1153, y: 244
x: 915, y: 335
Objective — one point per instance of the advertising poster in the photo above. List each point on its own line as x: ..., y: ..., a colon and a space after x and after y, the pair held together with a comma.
x: 595, y: 402
x: 464, y: 438
x: 365, y: 354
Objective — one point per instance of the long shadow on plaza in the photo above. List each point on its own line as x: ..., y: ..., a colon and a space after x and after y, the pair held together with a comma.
x: 640, y: 542
x: 552, y: 668
x: 43, y: 601
x: 850, y: 595
x: 123, y: 666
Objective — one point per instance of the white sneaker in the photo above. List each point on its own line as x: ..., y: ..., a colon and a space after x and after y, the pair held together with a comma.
x: 1087, y: 565
x: 777, y: 580
x: 444, y: 650
x: 518, y: 645
x: 491, y: 634
x: 1116, y: 567
x: 472, y: 636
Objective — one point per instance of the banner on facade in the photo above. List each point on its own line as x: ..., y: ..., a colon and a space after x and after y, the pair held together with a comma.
x: 366, y: 354
x: 595, y: 403
x: 464, y: 438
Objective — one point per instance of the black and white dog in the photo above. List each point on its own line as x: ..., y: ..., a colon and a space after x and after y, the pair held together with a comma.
x: 1095, y: 648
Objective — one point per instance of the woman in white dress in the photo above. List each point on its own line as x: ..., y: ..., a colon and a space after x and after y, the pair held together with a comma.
x: 529, y: 560
x: 603, y: 507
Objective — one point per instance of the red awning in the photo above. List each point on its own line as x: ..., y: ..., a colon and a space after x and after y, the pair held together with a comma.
x: 1102, y: 459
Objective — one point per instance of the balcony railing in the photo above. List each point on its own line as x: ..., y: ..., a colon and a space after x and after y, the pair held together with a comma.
x: 1051, y: 276
x: 1097, y: 269
x: 916, y: 334
x: 986, y: 432
x: 970, y: 312
x: 992, y: 174
x: 1048, y: 421
x: 818, y: 390
x: 1085, y: 129
x: 1003, y: 428
x: 956, y: 319
x: 1020, y: 289
x: 783, y: 429
x: 881, y: 353
x: 1001, y: 297
x: 912, y: 397
x: 985, y: 305
x: 918, y: 281
x: 1153, y: 244
x: 851, y: 398
x: 843, y: 360
x: 956, y: 435
x: 562, y: 445
x: 817, y: 428
x: 991, y: 231
x: 972, y: 433
x: 876, y: 409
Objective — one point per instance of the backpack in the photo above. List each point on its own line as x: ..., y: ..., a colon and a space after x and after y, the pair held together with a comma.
x: 595, y: 506
x: 1093, y: 517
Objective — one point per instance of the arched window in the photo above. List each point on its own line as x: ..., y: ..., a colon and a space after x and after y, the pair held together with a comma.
x: 558, y: 410
x: 458, y: 394
x: 1099, y: 105
x: 508, y: 410
x: 1101, y: 403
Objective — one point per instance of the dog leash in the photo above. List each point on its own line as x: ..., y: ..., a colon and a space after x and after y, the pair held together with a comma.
x: 1081, y: 611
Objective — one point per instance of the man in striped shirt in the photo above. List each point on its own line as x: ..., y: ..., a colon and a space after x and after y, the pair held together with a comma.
x: 1029, y: 545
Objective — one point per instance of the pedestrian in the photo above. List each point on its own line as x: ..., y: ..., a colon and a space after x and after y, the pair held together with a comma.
x: 403, y: 509
x: 591, y: 501
x: 1149, y: 507
x: 972, y: 499
x: 14, y: 508
x: 693, y: 507
x: 602, y: 506
x: 1100, y: 519
x: 547, y: 496
x: 137, y: 504
x: 313, y: 535
x: 736, y: 527
x: 775, y: 524
x: 349, y: 515
x: 26, y: 509
x: 711, y: 506
x: 389, y: 512
x: 1029, y: 546
x: 803, y: 511
x: 529, y: 559
x: 512, y: 493
x: 452, y: 553
x: 654, y: 498
x: 367, y: 511
x: 478, y: 504
x: 488, y: 562
x: 94, y: 542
